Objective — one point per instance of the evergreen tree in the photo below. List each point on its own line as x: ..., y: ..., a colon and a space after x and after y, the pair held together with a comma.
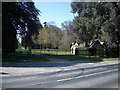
x: 18, y: 18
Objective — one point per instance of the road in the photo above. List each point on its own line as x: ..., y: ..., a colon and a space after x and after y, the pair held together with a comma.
x: 94, y: 77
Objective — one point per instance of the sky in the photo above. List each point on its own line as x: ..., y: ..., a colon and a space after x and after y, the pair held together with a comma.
x: 57, y: 12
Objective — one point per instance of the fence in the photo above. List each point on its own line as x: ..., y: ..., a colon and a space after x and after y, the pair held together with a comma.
x: 47, y: 51
x: 51, y: 51
x: 59, y: 52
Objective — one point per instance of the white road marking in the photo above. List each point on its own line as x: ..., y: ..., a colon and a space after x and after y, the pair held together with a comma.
x: 60, y: 80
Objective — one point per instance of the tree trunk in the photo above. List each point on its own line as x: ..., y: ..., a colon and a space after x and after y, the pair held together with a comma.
x: 29, y: 49
x: 86, y: 44
x: 117, y: 51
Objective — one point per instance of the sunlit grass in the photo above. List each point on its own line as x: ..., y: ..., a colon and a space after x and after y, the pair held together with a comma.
x: 52, y: 51
x: 109, y: 59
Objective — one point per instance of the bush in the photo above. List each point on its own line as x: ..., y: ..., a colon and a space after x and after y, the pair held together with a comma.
x: 92, y: 51
x: 113, y: 52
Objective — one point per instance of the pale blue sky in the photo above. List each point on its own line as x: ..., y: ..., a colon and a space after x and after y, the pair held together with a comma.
x: 57, y: 12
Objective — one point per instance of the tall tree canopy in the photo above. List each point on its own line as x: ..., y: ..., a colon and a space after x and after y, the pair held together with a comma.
x: 101, y: 16
x: 18, y: 18
x: 95, y: 18
x: 50, y: 36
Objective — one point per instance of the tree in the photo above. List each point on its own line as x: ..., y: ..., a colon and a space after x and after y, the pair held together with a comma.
x: 65, y: 42
x: 111, y: 26
x: 18, y: 18
x: 84, y: 23
x: 54, y: 36
x: 50, y: 36
x: 105, y: 18
x: 69, y: 35
x: 68, y: 28
x: 85, y: 29
x: 43, y: 37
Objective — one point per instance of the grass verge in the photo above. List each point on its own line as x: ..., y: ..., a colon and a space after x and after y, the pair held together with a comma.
x: 84, y: 58
x: 23, y: 56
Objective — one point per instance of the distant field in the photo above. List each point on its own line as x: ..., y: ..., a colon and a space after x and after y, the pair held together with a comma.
x: 52, y: 51
x: 82, y: 51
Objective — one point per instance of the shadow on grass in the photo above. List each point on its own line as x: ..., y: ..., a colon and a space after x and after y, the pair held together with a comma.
x: 81, y: 58
x: 34, y: 60
x: 23, y: 57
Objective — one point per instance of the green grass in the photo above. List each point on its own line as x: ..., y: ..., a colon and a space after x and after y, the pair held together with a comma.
x: 84, y: 58
x: 110, y: 59
x: 52, y: 51
x: 76, y: 58
x: 23, y: 56
x: 82, y: 51
x: 62, y: 54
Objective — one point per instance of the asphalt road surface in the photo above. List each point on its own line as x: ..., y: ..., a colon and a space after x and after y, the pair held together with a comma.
x: 97, y: 77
